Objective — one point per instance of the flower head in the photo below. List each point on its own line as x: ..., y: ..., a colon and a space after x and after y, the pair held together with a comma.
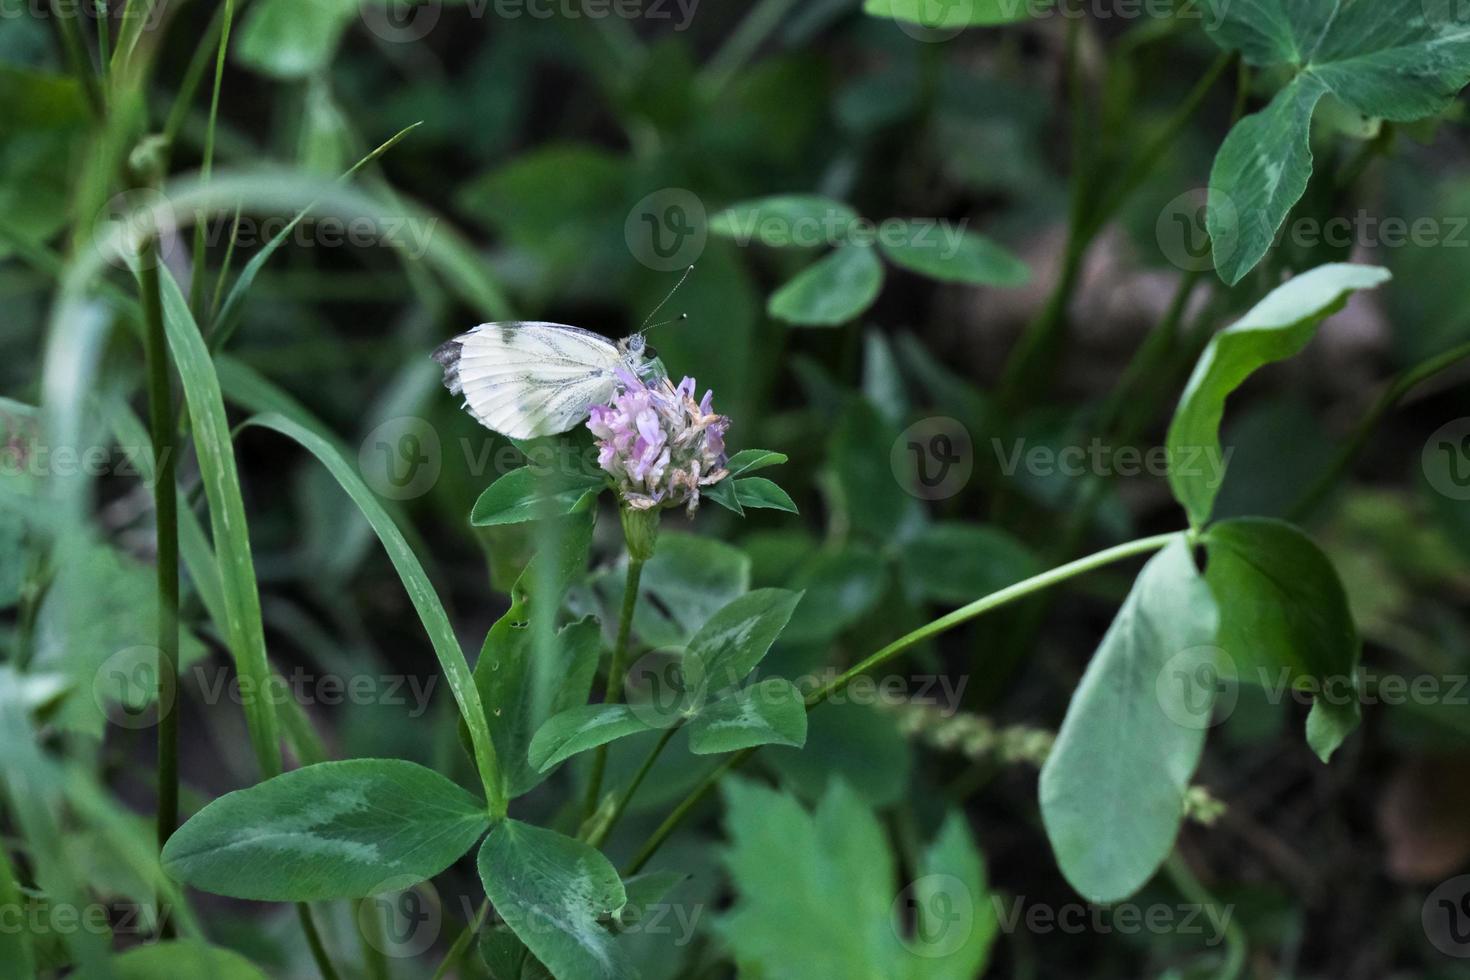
x: 659, y: 444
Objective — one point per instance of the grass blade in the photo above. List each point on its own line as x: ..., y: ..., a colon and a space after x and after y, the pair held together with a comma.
x: 229, y: 314
x: 244, y: 631
x: 420, y: 591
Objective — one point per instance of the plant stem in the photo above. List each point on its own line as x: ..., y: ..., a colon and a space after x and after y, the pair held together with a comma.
x: 742, y: 45
x: 677, y: 815
x: 193, y: 75
x: 206, y: 168
x: 314, y: 941
x: 1392, y: 395
x: 165, y: 495
x: 614, y: 690
x: 1039, y: 342
x: 1189, y: 886
x: 104, y: 40
x: 944, y: 623
x: 78, y: 59
x: 462, y: 942
x: 1137, y: 173
x: 596, y: 839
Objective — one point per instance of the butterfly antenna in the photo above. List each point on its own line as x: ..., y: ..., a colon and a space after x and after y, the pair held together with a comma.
x: 664, y: 323
x: 664, y: 302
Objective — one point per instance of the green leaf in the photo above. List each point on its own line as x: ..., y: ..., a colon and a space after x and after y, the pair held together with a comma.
x: 750, y: 460
x: 111, y: 656
x: 573, y: 656
x: 16, y: 948
x: 210, y: 425
x: 233, y: 306
x: 832, y: 871
x: 42, y: 136
x: 563, y: 205
x: 333, y: 830
x: 420, y: 591
x: 939, y: 16
x: 875, y: 502
x: 785, y: 221
x: 853, y: 743
x: 956, y: 562
x: 951, y: 878
x: 1131, y: 741
x: 526, y: 495
x: 841, y: 587
x: 586, y: 727
x: 685, y: 582
x: 754, y: 492
x: 183, y: 958
x: 927, y: 249
x: 293, y: 38
x: 1285, y: 621
x: 1399, y: 60
x: 552, y: 890
x: 758, y: 492
x: 771, y: 712
x: 527, y: 670
x: 1277, y: 328
x: 734, y: 640
x: 831, y: 291
x: 727, y: 495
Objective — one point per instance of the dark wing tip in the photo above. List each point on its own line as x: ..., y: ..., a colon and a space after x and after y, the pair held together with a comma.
x: 447, y: 355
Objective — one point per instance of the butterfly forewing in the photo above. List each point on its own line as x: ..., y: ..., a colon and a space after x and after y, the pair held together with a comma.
x: 527, y: 379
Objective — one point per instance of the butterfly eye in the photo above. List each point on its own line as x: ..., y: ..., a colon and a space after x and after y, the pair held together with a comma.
x: 650, y: 352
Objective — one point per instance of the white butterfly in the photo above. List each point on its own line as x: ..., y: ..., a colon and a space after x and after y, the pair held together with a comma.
x: 528, y: 378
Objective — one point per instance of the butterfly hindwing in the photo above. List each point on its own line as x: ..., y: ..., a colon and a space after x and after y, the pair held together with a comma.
x: 527, y: 379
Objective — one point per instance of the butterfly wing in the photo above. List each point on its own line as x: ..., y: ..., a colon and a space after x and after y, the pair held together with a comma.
x: 528, y: 378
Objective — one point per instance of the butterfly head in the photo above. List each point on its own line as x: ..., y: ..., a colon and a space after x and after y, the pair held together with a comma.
x: 634, y: 348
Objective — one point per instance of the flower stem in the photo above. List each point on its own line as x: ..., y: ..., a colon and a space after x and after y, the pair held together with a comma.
x: 944, y: 623
x: 614, y: 690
